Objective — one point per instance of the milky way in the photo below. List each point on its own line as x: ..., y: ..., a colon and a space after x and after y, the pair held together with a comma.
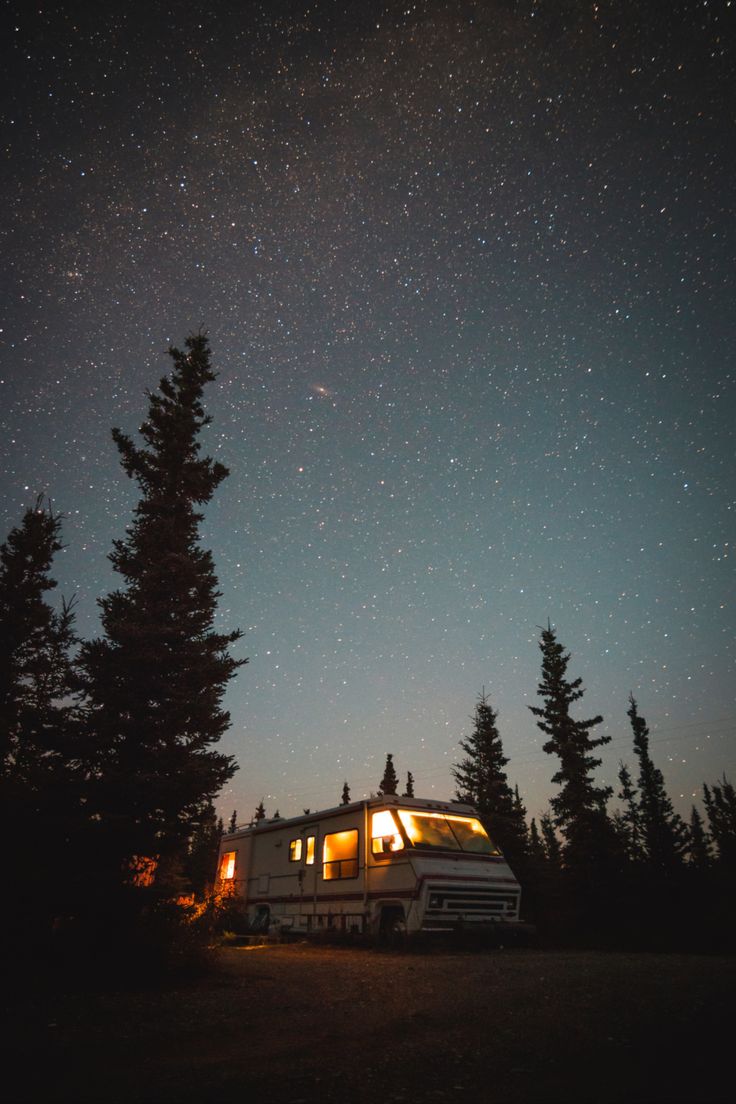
x: 468, y: 274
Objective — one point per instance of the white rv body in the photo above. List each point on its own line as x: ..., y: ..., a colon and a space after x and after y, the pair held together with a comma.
x: 389, y: 864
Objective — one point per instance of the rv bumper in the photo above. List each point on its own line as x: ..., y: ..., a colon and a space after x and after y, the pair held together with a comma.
x: 492, y: 933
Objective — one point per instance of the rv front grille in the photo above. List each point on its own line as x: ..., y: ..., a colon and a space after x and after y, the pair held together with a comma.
x: 452, y: 903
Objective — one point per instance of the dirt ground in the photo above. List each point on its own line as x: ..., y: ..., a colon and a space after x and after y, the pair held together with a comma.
x: 291, y: 1024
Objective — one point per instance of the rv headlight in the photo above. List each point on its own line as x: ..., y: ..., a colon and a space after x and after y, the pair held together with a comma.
x: 435, y: 901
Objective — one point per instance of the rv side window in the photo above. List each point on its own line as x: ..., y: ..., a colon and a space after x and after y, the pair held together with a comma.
x: 295, y: 850
x: 310, y: 851
x: 385, y: 835
x: 227, y: 865
x: 340, y: 855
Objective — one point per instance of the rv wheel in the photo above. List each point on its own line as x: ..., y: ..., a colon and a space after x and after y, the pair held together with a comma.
x: 392, y: 932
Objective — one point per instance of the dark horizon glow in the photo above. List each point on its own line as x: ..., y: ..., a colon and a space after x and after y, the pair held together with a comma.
x: 468, y: 274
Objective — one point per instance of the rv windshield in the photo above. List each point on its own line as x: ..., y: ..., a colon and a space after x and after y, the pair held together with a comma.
x: 446, y: 832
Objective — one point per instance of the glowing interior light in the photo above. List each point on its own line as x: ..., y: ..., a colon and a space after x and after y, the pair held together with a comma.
x: 385, y: 835
x: 227, y: 866
x: 446, y: 831
x: 295, y: 850
x: 340, y: 855
x: 310, y: 851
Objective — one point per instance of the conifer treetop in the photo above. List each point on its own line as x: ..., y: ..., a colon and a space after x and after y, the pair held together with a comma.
x: 170, y: 466
x: 389, y: 782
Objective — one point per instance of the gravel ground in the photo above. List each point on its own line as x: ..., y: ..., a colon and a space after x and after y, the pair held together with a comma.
x: 291, y: 1024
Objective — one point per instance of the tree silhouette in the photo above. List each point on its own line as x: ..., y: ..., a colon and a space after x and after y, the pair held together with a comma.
x: 551, y: 842
x: 36, y: 679
x: 720, y: 805
x: 260, y: 813
x: 699, y: 851
x: 157, y: 677
x: 389, y: 782
x: 663, y: 835
x: 409, y: 791
x: 537, y: 851
x: 482, y: 782
x: 579, y: 808
x: 628, y: 820
x: 232, y: 824
x: 345, y: 800
x: 41, y: 769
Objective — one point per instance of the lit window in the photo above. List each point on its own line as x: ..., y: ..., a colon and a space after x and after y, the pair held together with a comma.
x: 472, y: 836
x: 310, y: 851
x: 385, y: 835
x: 446, y: 832
x: 227, y: 865
x: 428, y: 830
x: 340, y: 855
x: 295, y: 850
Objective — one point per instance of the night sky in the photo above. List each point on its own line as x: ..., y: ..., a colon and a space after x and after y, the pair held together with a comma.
x: 468, y: 274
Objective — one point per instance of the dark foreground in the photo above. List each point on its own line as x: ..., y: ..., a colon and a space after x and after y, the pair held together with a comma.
x: 303, y: 1023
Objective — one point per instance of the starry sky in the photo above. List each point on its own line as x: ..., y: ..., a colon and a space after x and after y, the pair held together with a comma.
x: 467, y: 269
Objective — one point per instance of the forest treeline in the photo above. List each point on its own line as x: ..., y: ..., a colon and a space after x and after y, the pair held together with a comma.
x: 109, y: 767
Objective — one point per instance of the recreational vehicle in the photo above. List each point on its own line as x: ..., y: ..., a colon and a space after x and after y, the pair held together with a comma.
x: 387, y: 866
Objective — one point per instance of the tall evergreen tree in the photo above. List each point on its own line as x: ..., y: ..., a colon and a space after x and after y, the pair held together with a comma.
x: 628, y: 820
x: 232, y: 824
x: 520, y: 817
x: 482, y: 782
x: 699, y: 851
x: 41, y: 771
x: 580, y: 806
x: 36, y: 680
x: 157, y: 677
x: 664, y: 837
x: 409, y: 791
x: 537, y: 852
x: 389, y: 782
x: 260, y: 813
x: 345, y: 799
x: 551, y: 842
x: 720, y: 805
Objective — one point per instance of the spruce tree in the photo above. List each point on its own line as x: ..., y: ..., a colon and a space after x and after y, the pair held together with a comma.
x: 157, y: 677
x: 260, y: 813
x: 520, y: 817
x: 699, y: 855
x: 36, y: 678
x: 389, y: 782
x: 409, y: 791
x: 720, y: 805
x: 551, y: 842
x: 482, y: 782
x: 41, y: 768
x: 232, y: 824
x: 628, y: 820
x: 580, y: 807
x: 537, y: 851
x: 345, y: 799
x: 663, y: 835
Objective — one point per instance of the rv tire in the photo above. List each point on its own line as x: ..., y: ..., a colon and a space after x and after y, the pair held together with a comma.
x: 392, y: 930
